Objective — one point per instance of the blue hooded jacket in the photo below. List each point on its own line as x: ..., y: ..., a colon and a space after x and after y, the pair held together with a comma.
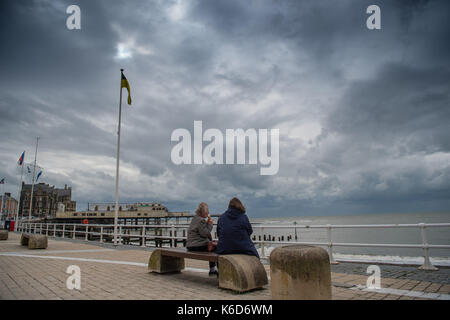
x: 234, y: 230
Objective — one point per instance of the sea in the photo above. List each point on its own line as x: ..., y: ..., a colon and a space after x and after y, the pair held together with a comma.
x: 435, y: 236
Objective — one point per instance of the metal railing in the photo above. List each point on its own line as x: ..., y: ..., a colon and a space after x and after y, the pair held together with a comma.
x: 330, y: 244
x: 104, y: 231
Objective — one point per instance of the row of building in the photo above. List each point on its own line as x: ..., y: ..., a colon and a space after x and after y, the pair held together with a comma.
x: 46, y: 200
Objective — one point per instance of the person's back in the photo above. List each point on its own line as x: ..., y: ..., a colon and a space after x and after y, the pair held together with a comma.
x: 234, y: 230
x: 199, y: 233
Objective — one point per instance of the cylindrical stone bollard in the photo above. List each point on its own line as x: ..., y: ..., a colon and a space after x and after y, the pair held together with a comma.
x: 299, y: 272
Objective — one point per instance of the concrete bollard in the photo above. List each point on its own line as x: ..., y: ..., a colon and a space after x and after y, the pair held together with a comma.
x: 3, y: 234
x: 34, y: 241
x: 300, y: 272
x: 37, y: 242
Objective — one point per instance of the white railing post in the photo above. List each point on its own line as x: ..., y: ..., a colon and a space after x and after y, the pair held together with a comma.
x: 34, y: 228
x: 172, y: 230
x: 54, y: 230
x: 46, y: 229
x: 330, y: 245
x: 74, y: 229
x: 426, y: 263
x: 120, y: 234
x: 86, y: 234
x: 262, y: 243
x: 64, y: 230
x: 101, y: 234
x: 40, y: 228
x: 143, y: 236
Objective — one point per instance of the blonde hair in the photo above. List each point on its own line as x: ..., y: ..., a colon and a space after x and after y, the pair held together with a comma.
x: 201, y: 208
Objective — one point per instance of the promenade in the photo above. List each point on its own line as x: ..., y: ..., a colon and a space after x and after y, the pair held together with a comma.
x: 109, y: 272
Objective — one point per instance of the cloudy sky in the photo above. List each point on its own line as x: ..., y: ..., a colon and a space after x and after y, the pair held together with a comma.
x: 363, y: 114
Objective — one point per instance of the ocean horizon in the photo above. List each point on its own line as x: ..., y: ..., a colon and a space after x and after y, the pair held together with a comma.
x: 435, y: 235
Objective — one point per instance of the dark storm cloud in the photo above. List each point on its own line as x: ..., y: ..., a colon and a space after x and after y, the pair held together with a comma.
x: 42, y: 52
x: 401, y: 103
x: 362, y: 114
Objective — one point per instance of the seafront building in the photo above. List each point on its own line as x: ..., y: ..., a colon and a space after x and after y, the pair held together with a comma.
x: 46, y: 200
x: 128, y: 213
x: 8, y: 206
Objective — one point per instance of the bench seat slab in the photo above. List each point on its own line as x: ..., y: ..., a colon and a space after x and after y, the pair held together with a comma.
x: 197, y: 255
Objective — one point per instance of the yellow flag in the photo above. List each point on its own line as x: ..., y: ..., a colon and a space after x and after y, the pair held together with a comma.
x: 125, y: 84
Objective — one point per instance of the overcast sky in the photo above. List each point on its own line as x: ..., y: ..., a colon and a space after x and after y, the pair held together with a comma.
x: 364, y: 115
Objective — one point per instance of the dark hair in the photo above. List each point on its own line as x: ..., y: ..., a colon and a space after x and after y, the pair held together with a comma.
x: 236, y: 203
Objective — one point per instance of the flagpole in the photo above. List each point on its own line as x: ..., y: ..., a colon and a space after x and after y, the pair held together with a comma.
x: 19, y: 193
x: 3, y: 200
x: 116, y: 207
x: 32, y: 185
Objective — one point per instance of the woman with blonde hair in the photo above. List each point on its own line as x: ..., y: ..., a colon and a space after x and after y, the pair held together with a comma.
x: 234, y: 231
x: 199, y: 233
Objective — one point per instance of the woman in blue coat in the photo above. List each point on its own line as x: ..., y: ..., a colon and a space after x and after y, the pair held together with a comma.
x: 234, y: 230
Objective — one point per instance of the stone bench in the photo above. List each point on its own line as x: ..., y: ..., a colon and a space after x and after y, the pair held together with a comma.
x: 237, y: 272
x: 34, y: 241
x: 3, y: 234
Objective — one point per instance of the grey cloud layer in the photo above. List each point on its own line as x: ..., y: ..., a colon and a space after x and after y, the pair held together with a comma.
x: 379, y: 100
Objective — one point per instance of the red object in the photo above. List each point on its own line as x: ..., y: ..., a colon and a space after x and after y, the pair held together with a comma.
x: 85, y: 221
x: 212, y: 245
x: 11, y: 225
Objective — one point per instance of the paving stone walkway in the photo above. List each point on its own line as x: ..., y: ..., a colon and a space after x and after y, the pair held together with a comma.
x: 397, y: 272
x: 109, y: 272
